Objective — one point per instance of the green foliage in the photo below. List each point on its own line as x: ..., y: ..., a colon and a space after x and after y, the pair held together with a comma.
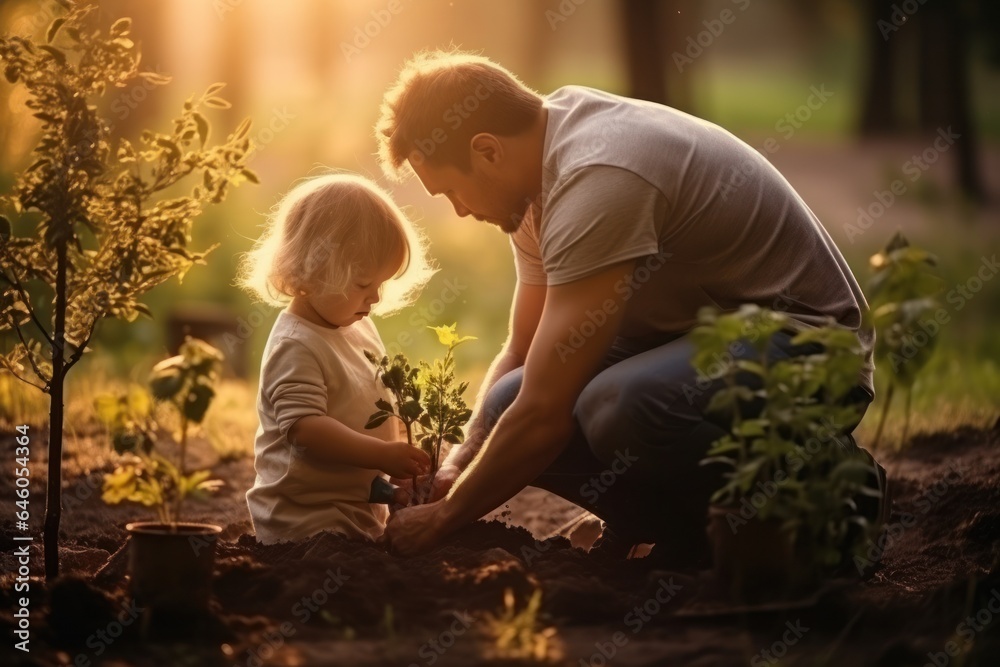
x: 186, y: 384
x: 801, y: 402
x: 446, y: 412
x: 904, y: 291
x: 429, y: 403
x: 520, y: 634
x: 129, y: 419
x: 98, y: 222
x: 401, y: 380
x: 93, y: 226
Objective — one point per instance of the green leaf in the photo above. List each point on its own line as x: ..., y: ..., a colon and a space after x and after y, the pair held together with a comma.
x: 139, y: 402
x: 54, y: 28
x: 166, y: 383
x: 410, y: 409
x: 198, y: 399
x: 750, y: 366
x: 242, y: 130
x: 752, y: 428
x: 217, y: 103
x: 384, y: 405
x: 377, y: 419
x: 56, y: 54
x: 126, y: 441
x: 156, y: 78
x: 214, y: 88
x: 121, y: 27
x: 108, y: 408
x: 168, y: 145
x: 203, y: 127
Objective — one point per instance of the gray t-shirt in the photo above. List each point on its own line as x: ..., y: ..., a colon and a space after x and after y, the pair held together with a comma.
x: 626, y: 179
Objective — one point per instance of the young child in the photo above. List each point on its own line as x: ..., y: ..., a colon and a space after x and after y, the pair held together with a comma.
x: 330, y: 245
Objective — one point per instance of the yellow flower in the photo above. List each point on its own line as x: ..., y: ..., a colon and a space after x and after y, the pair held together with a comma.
x: 447, y: 336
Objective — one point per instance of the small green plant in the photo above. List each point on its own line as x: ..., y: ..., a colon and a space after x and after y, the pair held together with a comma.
x: 429, y: 403
x: 95, y: 221
x: 519, y: 634
x: 445, y: 409
x: 800, y: 401
x: 903, y: 289
x: 186, y: 385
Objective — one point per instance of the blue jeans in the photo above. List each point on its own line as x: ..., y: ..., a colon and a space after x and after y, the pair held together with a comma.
x: 641, y: 432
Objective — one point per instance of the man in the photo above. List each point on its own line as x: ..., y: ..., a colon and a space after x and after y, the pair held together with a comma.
x: 625, y: 217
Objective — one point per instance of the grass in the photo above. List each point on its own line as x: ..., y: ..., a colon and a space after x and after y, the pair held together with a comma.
x: 520, y: 634
x: 229, y: 426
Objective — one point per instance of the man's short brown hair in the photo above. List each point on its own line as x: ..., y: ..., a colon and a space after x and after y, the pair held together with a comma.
x: 440, y: 101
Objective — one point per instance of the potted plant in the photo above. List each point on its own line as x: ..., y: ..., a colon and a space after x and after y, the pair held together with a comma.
x: 170, y: 561
x: 787, y: 514
x: 429, y: 403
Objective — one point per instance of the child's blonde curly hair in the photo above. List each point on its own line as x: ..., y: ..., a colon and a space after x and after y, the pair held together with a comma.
x: 326, y: 231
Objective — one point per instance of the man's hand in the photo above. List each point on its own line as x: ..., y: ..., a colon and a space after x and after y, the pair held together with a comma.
x: 429, y: 489
x: 443, y: 481
x: 413, y: 530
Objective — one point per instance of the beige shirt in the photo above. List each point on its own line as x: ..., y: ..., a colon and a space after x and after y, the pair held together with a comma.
x: 709, y: 221
x: 312, y: 370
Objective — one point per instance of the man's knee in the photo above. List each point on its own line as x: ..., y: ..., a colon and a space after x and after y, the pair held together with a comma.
x: 501, y: 395
x: 611, y: 413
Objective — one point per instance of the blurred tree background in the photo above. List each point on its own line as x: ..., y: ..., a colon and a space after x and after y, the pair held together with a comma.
x: 849, y: 91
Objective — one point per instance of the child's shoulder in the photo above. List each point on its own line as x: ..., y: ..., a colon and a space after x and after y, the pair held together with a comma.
x: 289, y: 334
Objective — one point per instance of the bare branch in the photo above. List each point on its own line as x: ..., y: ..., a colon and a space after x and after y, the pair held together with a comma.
x: 27, y: 304
x: 31, y: 356
x: 25, y: 380
x: 82, y: 348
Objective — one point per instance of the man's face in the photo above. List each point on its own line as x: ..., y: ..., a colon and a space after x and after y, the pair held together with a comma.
x: 488, y: 197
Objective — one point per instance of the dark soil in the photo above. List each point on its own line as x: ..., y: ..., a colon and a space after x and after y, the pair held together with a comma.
x: 328, y: 600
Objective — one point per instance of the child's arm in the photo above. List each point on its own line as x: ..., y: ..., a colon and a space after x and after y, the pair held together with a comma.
x: 330, y: 441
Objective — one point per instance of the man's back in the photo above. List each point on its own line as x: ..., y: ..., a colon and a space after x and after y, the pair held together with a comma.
x: 629, y: 179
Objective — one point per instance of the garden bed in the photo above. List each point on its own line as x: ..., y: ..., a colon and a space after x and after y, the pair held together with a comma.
x: 328, y: 600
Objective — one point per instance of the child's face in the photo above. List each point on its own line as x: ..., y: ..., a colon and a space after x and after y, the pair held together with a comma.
x: 342, y: 310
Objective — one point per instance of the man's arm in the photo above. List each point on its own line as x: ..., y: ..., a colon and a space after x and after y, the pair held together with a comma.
x: 526, y: 311
x: 538, y: 425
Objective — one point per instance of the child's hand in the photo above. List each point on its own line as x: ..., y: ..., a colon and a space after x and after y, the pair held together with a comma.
x: 400, y: 459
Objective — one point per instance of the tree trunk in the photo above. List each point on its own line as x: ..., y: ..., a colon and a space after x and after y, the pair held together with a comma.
x: 944, y: 88
x: 878, y: 106
x: 643, y: 38
x: 53, y: 490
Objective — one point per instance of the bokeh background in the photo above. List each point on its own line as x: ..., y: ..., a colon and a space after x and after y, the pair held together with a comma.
x: 311, y: 73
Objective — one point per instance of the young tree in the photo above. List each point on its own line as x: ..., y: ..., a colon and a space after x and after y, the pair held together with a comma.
x: 95, y: 225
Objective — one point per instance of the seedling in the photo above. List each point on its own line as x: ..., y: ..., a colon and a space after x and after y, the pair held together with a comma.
x: 184, y: 383
x: 429, y: 403
x: 520, y: 634
x: 904, y: 291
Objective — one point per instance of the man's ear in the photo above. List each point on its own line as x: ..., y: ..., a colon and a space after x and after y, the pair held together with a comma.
x: 486, y: 147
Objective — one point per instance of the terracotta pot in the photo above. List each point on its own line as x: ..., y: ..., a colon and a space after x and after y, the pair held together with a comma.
x: 755, y: 559
x: 171, y: 565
